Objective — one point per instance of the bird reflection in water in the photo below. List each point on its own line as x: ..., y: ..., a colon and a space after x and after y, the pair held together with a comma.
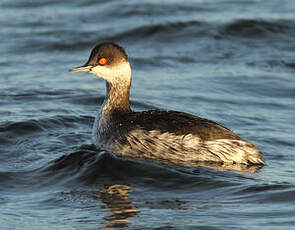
x: 116, y: 198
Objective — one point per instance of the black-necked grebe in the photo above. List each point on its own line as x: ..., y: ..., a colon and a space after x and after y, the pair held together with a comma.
x: 156, y: 134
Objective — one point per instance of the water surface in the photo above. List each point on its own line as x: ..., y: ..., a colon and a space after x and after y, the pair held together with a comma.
x: 229, y: 61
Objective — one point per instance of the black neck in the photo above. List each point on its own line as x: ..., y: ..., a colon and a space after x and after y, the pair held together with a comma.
x: 117, y: 98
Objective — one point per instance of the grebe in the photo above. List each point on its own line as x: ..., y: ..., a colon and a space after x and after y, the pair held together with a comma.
x: 156, y: 134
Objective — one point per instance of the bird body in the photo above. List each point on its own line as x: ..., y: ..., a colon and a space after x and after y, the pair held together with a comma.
x: 156, y: 134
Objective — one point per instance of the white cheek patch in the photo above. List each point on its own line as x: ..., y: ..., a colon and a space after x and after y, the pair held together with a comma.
x: 102, y: 71
x: 115, y: 73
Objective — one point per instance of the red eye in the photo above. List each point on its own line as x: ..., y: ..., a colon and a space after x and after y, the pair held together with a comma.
x: 102, y: 61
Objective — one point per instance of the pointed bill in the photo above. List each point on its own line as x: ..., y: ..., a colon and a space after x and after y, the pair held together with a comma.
x: 84, y: 68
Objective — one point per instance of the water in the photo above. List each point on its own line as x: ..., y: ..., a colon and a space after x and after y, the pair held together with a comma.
x: 229, y: 61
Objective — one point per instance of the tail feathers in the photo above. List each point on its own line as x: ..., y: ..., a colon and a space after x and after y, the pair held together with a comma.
x: 256, y: 158
x: 236, y: 151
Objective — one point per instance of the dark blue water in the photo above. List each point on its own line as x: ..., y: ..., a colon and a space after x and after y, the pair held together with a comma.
x: 229, y: 61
